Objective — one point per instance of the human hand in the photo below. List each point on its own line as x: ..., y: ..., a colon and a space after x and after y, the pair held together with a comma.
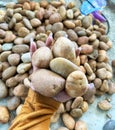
x: 62, y: 96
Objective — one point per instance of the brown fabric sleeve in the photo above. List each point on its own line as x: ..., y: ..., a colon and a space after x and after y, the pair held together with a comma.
x: 36, y: 113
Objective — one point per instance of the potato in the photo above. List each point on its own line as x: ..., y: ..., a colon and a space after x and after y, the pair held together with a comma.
x: 3, y: 89
x: 13, y: 103
x: 47, y: 82
x: 11, y: 58
x: 76, y: 113
x: 63, y: 66
x: 4, y: 114
x: 55, y: 117
x: 63, y: 128
x: 64, y: 47
x: 20, y: 90
x: 80, y: 125
x: 42, y: 57
x: 68, y: 121
x: 18, y: 110
x: 9, y: 72
x: 76, y: 84
x: 11, y: 82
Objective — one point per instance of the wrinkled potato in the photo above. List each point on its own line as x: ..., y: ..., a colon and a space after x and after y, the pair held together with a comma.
x: 41, y: 57
x: 47, y: 82
x: 4, y: 114
x: 76, y: 84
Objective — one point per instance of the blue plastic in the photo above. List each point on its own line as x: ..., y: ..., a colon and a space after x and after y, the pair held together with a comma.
x: 90, y: 6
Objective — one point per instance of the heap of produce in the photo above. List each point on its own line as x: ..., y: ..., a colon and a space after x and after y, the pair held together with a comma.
x: 70, y: 53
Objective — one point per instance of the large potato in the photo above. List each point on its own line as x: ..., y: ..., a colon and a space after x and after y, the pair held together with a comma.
x: 76, y: 84
x: 64, y: 47
x: 47, y: 82
x: 63, y: 66
x: 41, y: 57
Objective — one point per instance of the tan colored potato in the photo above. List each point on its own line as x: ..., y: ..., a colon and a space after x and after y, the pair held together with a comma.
x: 63, y: 128
x: 76, y: 84
x: 13, y: 103
x: 68, y: 121
x: 63, y: 66
x: 9, y: 72
x: 18, y: 110
x: 47, y: 82
x: 64, y: 47
x: 11, y: 82
x: 4, y: 114
x: 55, y: 117
x: 80, y: 125
x: 3, y: 89
x: 20, y: 90
x: 42, y: 57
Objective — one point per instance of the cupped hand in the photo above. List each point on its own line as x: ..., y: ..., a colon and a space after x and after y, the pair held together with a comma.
x: 61, y: 96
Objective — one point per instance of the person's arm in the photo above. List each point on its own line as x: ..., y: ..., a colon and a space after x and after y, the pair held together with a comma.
x: 36, y: 113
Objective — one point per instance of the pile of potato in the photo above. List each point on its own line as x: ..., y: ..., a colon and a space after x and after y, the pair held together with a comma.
x: 76, y: 57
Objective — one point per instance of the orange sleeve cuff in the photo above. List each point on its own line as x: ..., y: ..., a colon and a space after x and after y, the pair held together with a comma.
x: 36, y: 113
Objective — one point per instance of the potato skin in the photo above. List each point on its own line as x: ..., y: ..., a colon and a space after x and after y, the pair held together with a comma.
x: 76, y: 84
x: 4, y: 114
x: 42, y: 57
x: 47, y: 82
x: 64, y: 47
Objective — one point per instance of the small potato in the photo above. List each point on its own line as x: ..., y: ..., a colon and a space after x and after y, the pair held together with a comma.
x: 54, y: 18
x: 3, y: 89
x: 42, y: 57
x: 11, y: 58
x: 72, y: 35
x: 104, y: 105
x: 80, y: 125
x: 20, y: 90
x: 11, y: 82
x: 55, y: 117
x: 63, y: 128
x: 68, y: 121
x: 68, y: 105
x: 18, y: 110
x: 101, y: 73
x: 57, y: 27
x: 61, y: 108
x: 84, y: 106
x: 78, y: 101
x: 20, y: 77
x: 9, y: 72
x: 76, y: 113
x: 86, y: 49
x: 4, y: 114
x: 76, y: 84
x: 13, y: 103
x: 4, y: 55
x: 47, y: 82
